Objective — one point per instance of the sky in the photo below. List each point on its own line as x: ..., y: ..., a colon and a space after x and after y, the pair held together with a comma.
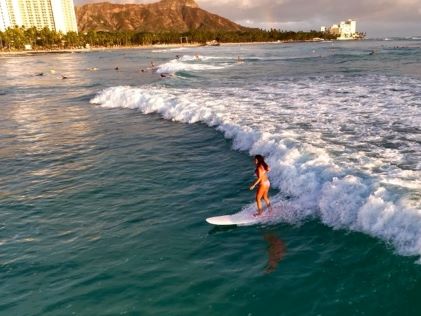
x: 377, y: 18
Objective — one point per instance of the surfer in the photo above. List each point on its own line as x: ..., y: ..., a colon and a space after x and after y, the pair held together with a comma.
x: 262, y: 180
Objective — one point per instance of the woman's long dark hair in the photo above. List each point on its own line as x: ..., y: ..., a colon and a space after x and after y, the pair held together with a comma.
x: 261, y: 162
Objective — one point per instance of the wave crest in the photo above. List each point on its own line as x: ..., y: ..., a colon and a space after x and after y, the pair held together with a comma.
x: 317, y: 185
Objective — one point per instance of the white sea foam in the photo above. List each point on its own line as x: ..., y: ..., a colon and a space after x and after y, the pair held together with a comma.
x: 319, y: 142
x: 204, y: 58
x: 169, y: 50
x: 176, y: 65
x: 224, y: 61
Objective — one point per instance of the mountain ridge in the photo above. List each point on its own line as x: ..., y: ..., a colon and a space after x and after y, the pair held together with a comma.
x: 163, y: 16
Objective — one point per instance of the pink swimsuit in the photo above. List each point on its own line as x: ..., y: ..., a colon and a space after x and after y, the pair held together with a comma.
x: 265, y: 183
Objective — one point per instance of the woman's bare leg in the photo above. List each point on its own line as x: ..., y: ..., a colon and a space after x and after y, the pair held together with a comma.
x: 267, y: 201
x: 259, y: 195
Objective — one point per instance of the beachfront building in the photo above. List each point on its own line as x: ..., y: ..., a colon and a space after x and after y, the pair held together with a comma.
x: 348, y: 29
x: 7, y: 17
x: 345, y: 30
x: 57, y: 15
x: 64, y: 15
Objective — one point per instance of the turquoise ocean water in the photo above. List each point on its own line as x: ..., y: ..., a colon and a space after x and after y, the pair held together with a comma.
x: 107, y: 177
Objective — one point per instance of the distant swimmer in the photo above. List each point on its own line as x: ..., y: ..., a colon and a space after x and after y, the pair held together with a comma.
x: 177, y: 57
x: 64, y: 77
x: 371, y: 53
x: 116, y: 68
x: 197, y: 57
x: 166, y: 75
x: 262, y: 180
x: 153, y: 67
x: 39, y: 74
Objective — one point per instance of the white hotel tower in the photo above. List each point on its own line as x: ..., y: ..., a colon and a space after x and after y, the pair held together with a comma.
x: 57, y: 15
x: 347, y: 30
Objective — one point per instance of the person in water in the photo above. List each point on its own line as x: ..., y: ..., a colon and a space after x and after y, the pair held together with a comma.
x: 262, y: 180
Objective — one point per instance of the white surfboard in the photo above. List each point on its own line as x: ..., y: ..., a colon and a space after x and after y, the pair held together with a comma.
x: 243, y: 218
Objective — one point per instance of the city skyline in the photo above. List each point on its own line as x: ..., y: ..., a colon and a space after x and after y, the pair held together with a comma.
x: 378, y: 18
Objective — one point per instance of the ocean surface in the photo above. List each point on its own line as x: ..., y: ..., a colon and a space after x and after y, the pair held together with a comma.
x: 107, y: 177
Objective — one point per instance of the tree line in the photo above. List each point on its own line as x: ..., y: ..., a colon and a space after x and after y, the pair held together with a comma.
x: 16, y: 38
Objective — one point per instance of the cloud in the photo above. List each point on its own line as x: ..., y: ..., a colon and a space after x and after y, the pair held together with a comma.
x: 376, y: 17
x: 398, y: 16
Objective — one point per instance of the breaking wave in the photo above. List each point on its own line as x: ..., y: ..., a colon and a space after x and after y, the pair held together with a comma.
x: 330, y: 146
x: 174, y: 66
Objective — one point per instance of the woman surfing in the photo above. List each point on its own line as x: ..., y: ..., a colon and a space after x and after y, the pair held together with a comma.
x: 262, y: 180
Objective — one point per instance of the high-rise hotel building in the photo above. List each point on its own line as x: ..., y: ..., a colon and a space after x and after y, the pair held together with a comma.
x: 57, y: 15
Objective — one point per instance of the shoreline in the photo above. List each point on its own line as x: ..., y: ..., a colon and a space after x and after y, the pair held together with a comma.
x: 92, y: 49
x: 155, y: 46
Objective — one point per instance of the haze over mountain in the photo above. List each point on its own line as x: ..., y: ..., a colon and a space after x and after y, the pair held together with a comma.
x: 379, y: 18
x: 166, y: 15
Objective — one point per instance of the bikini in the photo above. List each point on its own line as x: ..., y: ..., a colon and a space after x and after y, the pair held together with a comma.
x: 266, y: 183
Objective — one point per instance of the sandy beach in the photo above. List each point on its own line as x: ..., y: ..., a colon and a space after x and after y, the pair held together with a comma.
x: 92, y: 49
